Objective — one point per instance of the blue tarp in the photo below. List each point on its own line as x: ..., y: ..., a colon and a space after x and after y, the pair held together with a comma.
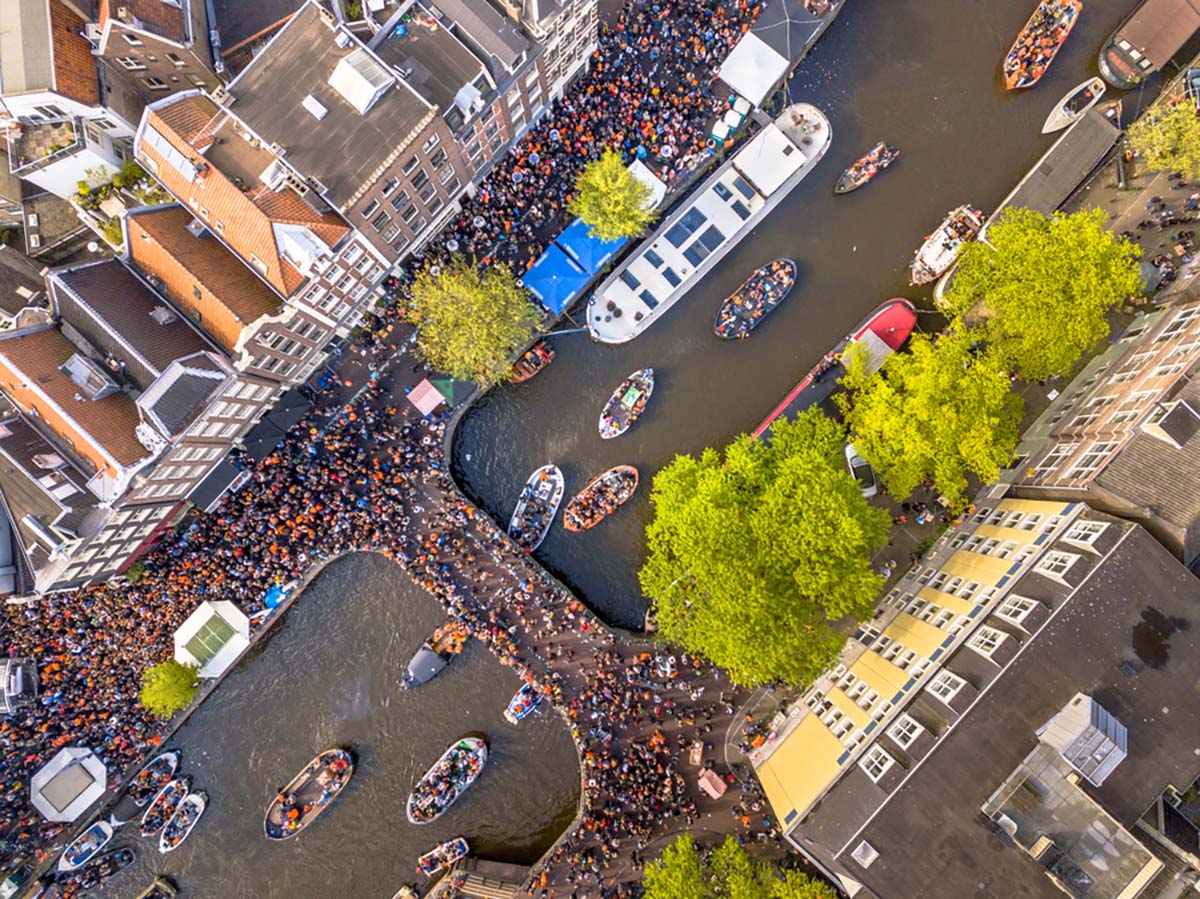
x: 555, y: 279
x: 590, y: 252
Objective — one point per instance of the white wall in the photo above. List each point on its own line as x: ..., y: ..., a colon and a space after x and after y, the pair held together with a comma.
x: 61, y: 176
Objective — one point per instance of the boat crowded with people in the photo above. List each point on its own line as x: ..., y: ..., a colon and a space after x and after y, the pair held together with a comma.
x: 600, y: 498
x: 161, y: 888
x: 537, y: 507
x: 308, y: 794
x: 744, y: 309
x: 435, y: 654
x: 95, y: 872
x: 447, y: 780
x: 865, y: 170
x: 152, y: 778
x: 442, y: 856
x: 182, y: 822
x: 942, y: 247
x: 627, y: 404
x: 532, y: 362
x: 1039, y: 42
x: 1074, y: 105
x: 524, y: 701
x: 84, y: 847
x: 164, y: 805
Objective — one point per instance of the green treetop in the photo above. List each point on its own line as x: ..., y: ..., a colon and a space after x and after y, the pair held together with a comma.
x: 728, y: 872
x: 471, y: 320
x: 1167, y: 137
x: 939, y: 410
x: 610, y: 200
x: 753, y: 552
x: 168, y: 688
x: 1045, y: 285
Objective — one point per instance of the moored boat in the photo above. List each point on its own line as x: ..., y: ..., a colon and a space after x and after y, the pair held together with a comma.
x: 442, y: 856
x: 600, y: 498
x: 626, y: 404
x: 524, y: 701
x: 98, y: 870
x: 435, y: 654
x: 160, y: 889
x: 536, y: 508
x: 1074, y: 105
x: 532, y: 362
x: 180, y: 826
x: 152, y: 778
x: 744, y: 309
x: 83, y: 848
x: 308, y: 794
x: 1039, y: 42
x: 865, y: 170
x: 163, y: 806
x: 942, y: 247
x: 447, y: 780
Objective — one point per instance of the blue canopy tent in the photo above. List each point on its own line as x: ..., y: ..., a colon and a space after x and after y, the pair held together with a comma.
x: 590, y: 252
x: 555, y: 279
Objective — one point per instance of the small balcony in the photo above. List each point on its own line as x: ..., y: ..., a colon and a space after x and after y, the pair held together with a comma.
x: 33, y: 147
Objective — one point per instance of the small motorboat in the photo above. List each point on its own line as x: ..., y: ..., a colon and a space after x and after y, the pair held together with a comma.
x: 163, y: 806
x: 180, y: 826
x: 627, y: 403
x: 532, y: 362
x: 942, y: 247
x: 82, y: 849
x: 1039, y: 42
x: 865, y: 170
x: 308, y: 794
x: 745, y: 308
x: 442, y: 856
x: 1074, y: 105
x: 97, y: 871
x: 600, y: 498
x: 435, y: 654
x: 152, y: 778
x: 447, y: 780
x: 535, y: 511
x: 524, y: 701
x: 160, y: 889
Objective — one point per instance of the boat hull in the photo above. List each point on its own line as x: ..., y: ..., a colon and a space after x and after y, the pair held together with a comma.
x: 545, y: 488
x: 1074, y: 105
x: 523, y: 703
x: 442, y: 856
x: 730, y: 324
x: 847, y: 183
x: 160, y: 810
x: 1063, y: 14
x: 571, y: 520
x: 152, y: 778
x: 306, y: 788
x: 532, y: 363
x: 941, y: 249
x: 617, y: 416
x: 474, y: 751
x: 84, y: 847
x: 177, y: 829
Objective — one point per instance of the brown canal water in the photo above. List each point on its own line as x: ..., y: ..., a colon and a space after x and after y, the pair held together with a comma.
x: 329, y: 675
x: 924, y: 75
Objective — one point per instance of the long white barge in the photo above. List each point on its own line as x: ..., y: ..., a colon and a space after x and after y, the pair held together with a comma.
x: 695, y: 237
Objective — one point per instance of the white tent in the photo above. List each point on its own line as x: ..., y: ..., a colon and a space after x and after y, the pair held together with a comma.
x: 642, y: 172
x: 212, y: 638
x: 753, y: 68
x: 67, y: 784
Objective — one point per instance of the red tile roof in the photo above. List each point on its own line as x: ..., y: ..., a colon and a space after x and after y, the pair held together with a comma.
x: 74, y: 66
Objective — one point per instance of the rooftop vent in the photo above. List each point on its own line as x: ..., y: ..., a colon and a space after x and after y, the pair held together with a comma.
x: 314, y: 108
x: 196, y: 228
x: 865, y: 854
x: 48, y: 460
x: 360, y: 80
x: 89, y: 377
x: 162, y: 315
x: 1089, y: 739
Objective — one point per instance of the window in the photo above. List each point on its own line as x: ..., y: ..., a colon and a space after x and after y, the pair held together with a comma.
x: 420, y: 180
x: 1016, y: 609
x: 175, y: 59
x: 1085, y: 532
x: 672, y: 278
x: 131, y: 39
x: 1171, y: 368
x: 410, y: 165
x: 409, y: 214
x: 401, y: 200
x: 692, y: 221
x: 370, y: 209
x: 1031, y: 522
x: 1055, y: 564
x: 1092, y: 459
x: 907, y: 659
x: 432, y: 141
x: 946, y: 686
x: 629, y: 280
x: 654, y: 259
x: 445, y: 175
x: 131, y: 63
x: 744, y: 188
x: 986, y: 640
x: 438, y: 159
x: 648, y: 298
x: 390, y: 186
x: 156, y: 84
x: 381, y: 221
x: 905, y: 731
x: 876, y: 763
x: 1179, y: 323
x: 1123, y: 417
x: 722, y: 191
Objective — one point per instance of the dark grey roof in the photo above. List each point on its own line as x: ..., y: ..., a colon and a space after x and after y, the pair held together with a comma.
x: 183, y: 394
x: 344, y: 149
x: 238, y: 21
x: 786, y: 27
x: 21, y: 282
x: 1159, y: 28
x: 486, y: 27
x: 1181, y: 423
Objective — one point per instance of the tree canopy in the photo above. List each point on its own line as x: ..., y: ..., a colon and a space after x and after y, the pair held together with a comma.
x: 753, y: 552
x: 471, y: 319
x: 168, y: 688
x: 685, y: 872
x: 1045, y: 285
x: 610, y: 200
x: 1167, y: 138
x: 942, y: 410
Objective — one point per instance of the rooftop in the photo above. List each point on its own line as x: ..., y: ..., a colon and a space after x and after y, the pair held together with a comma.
x: 42, y: 48
x: 183, y: 392
x: 240, y: 23
x: 484, y: 26
x: 20, y: 280
x: 166, y: 19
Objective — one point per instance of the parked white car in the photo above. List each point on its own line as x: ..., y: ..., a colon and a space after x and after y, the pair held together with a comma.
x: 862, y: 472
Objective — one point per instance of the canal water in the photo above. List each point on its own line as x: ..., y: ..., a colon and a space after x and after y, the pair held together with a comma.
x: 923, y: 75
x: 329, y: 675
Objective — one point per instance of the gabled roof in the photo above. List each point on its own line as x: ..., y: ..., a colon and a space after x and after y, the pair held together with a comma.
x: 164, y: 19
x: 201, y: 154
x: 21, y: 282
x: 182, y: 393
x: 488, y: 28
x: 42, y: 48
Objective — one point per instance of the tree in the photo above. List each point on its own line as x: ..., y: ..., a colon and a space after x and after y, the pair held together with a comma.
x: 610, y: 200
x: 942, y: 410
x: 167, y: 688
x: 1167, y: 137
x: 471, y: 320
x: 752, y: 553
x: 686, y: 872
x: 1045, y: 285
x: 135, y: 572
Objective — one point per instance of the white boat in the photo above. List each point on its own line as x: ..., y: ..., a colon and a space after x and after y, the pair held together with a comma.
x: 537, y: 507
x: 717, y: 216
x: 81, y: 849
x: 164, y: 805
x: 942, y: 247
x: 187, y: 813
x: 1074, y: 105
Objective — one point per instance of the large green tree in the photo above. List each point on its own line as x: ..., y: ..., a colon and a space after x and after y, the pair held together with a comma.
x: 754, y: 552
x: 471, y: 319
x: 943, y: 409
x: 1045, y: 285
x: 168, y: 688
x: 610, y: 200
x: 1167, y: 138
x: 686, y: 872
